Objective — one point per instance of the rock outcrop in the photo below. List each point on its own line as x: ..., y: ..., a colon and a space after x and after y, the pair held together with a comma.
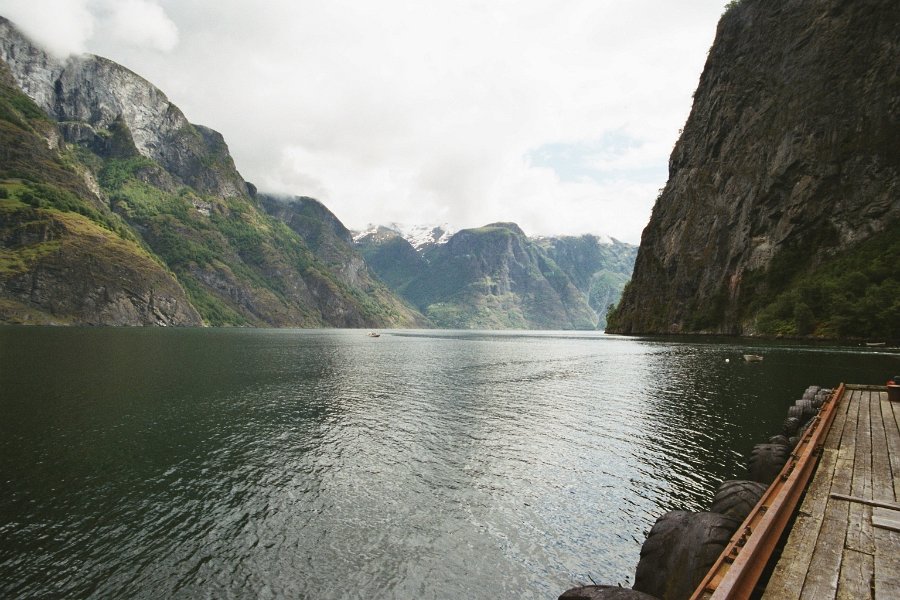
x: 788, y: 161
x: 331, y: 242
x: 94, y: 94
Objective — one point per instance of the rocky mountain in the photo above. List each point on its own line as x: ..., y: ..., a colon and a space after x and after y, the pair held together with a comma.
x: 599, y: 267
x: 497, y: 277
x: 780, y: 215
x: 117, y: 210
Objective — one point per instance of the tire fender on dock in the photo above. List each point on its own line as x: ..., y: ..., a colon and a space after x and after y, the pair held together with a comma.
x: 603, y: 592
x: 766, y: 461
x: 736, y: 498
x: 679, y: 550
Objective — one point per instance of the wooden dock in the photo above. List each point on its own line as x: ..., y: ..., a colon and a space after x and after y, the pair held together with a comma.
x: 845, y: 542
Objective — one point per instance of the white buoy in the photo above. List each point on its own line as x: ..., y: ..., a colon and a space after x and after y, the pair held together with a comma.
x: 728, y: 360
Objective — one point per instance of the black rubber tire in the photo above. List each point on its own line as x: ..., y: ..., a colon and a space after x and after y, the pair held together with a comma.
x: 791, y: 425
x: 603, y: 592
x: 780, y: 439
x: 808, y: 395
x: 809, y: 409
x: 794, y: 440
x: 766, y: 461
x: 737, y: 498
x: 813, y: 389
x: 795, y: 411
x: 679, y: 551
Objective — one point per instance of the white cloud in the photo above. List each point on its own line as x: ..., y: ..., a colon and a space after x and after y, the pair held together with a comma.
x: 74, y: 26
x: 61, y: 26
x: 402, y: 110
x: 139, y: 23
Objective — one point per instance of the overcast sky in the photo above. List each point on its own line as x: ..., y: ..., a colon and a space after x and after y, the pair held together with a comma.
x: 556, y: 114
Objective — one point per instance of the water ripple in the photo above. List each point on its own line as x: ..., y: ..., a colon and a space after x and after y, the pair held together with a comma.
x: 330, y: 465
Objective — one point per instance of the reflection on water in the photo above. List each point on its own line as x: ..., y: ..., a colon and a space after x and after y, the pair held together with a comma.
x: 146, y: 462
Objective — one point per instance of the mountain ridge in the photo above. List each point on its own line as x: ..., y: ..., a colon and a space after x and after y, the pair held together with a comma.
x: 94, y: 151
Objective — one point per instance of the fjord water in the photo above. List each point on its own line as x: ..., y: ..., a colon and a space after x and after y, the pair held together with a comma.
x: 327, y: 464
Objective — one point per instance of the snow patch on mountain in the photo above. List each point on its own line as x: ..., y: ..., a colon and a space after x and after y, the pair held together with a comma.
x: 419, y: 236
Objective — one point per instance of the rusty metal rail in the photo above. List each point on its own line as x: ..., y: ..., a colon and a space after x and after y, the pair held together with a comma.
x: 738, y: 569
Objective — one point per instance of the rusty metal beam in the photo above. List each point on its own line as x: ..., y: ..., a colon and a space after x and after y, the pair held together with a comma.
x: 738, y: 569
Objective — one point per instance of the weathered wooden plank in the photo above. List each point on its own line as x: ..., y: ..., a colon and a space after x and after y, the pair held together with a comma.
x: 856, y: 579
x: 833, y: 440
x: 825, y: 564
x: 882, y: 479
x: 887, y: 564
x: 887, y: 543
x: 859, y: 521
x: 843, y: 473
x: 886, y: 518
x: 892, y: 433
x: 834, y: 548
x: 824, y: 568
x: 791, y: 569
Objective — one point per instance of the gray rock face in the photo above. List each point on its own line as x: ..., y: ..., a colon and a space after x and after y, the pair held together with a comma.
x: 97, y: 92
x: 791, y: 146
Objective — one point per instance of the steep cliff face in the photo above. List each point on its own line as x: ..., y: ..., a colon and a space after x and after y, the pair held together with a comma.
x: 788, y: 161
x: 116, y: 210
x: 89, y: 94
x: 63, y: 259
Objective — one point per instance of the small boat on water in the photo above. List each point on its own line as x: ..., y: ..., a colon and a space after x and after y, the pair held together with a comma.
x: 875, y: 344
x: 753, y: 358
x: 374, y: 334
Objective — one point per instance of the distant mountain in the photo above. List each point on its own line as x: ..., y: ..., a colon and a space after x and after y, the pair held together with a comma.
x: 117, y: 210
x: 781, y: 215
x: 598, y: 266
x: 496, y: 277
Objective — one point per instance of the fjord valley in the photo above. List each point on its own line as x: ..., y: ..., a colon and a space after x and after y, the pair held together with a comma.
x: 781, y: 215
x: 251, y: 441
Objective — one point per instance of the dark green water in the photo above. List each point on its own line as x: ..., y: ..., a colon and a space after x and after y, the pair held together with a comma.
x: 326, y: 464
